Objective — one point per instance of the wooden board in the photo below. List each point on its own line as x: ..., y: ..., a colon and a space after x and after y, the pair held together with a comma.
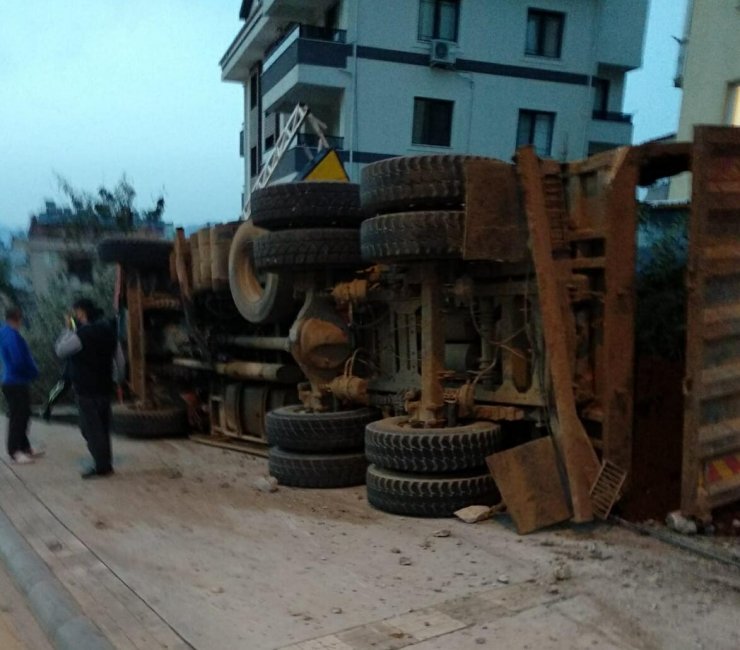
x: 531, y: 486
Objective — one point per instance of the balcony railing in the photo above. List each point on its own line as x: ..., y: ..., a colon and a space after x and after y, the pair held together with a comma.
x: 311, y: 140
x: 313, y: 32
x: 612, y: 116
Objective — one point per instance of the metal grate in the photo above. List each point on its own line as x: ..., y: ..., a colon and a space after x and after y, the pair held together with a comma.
x: 606, y: 490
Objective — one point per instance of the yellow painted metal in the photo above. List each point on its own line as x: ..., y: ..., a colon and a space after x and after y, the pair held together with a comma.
x: 327, y: 166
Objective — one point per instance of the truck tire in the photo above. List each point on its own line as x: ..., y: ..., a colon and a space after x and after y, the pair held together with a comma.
x: 317, y: 470
x: 308, y: 248
x: 294, y: 429
x: 420, y: 495
x: 413, y: 183
x: 307, y: 204
x: 411, y: 236
x: 391, y: 445
x: 169, y: 421
x: 266, y: 298
x: 135, y: 252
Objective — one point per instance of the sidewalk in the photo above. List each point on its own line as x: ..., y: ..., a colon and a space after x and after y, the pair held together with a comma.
x: 179, y: 548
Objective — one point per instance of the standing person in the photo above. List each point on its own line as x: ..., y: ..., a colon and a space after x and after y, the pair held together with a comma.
x: 19, y: 370
x: 89, y: 345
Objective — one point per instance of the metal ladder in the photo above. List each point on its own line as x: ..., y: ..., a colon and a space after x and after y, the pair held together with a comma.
x: 300, y: 114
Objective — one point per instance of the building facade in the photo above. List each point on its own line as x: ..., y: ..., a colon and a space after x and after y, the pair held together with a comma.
x: 398, y: 77
x: 708, y: 72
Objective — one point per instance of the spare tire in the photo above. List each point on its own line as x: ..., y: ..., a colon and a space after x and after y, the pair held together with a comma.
x: 390, y: 444
x: 168, y: 421
x: 420, y: 495
x: 135, y: 252
x: 317, y: 470
x: 294, y: 428
x: 414, y: 183
x: 308, y: 248
x: 260, y: 298
x: 410, y: 236
x: 306, y: 204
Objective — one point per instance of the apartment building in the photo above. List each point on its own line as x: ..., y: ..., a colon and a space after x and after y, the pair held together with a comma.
x: 398, y: 77
x: 708, y: 72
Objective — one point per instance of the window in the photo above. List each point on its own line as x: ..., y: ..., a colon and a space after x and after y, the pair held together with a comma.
x: 331, y: 17
x: 80, y: 268
x: 253, y: 90
x: 544, y: 33
x: 601, y: 95
x: 253, y: 168
x: 438, y: 19
x: 432, y: 122
x: 536, y: 127
x: 733, y: 105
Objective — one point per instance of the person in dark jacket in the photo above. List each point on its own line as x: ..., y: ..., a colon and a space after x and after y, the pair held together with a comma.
x: 90, y: 345
x: 19, y: 370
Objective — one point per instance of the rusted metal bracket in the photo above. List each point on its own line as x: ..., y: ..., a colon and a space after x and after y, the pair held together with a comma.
x: 580, y: 460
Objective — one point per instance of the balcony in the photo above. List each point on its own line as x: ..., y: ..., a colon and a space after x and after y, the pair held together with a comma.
x: 610, y: 128
x: 305, y: 65
x: 311, y: 32
x: 302, y: 152
x: 265, y: 24
x: 612, y: 116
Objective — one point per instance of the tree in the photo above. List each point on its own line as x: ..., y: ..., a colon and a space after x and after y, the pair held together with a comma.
x: 90, y: 217
x: 109, y: 209
x: 7, y: 290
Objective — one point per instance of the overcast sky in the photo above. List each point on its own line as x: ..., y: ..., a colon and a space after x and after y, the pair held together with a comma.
x: 92, y: 89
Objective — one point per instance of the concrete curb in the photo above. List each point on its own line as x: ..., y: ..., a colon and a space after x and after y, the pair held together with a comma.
x: 52, y: 605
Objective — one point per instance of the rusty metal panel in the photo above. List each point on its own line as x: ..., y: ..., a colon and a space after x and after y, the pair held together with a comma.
x: 711, y: 462
x: 495, y: 226
x: 581, y: 463
x: 136, y: 335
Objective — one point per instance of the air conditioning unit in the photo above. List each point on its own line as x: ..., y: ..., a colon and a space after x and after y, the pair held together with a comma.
x: 442, y: 54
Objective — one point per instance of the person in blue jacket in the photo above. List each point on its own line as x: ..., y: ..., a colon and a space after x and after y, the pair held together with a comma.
x: 19, y: 370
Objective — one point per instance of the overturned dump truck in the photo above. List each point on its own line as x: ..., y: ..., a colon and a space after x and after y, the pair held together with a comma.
x: 450, y: 310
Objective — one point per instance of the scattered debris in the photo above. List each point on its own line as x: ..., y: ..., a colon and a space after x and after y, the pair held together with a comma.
x: 336, y: 610
x: 444, y: 532
x: 100, y: 524
x: 480, y: 640
x: 503, y: 579
x: 562, y: 572
x: 266, y: 484
x: 405, y: 561
x: 596, y: 553
x: 54, y: 547
x: 553, y: 590
x: 474, y: 514
x: 395, y: 549
x: 217, y: 590
x: 676, y: 521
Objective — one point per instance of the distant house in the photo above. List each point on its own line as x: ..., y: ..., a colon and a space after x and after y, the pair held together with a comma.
x: 53, y: 249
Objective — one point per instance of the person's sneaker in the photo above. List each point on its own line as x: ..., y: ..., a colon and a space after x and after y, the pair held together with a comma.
x: 37, y: 453
x: 91, y: 472
x: 19, y: 458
